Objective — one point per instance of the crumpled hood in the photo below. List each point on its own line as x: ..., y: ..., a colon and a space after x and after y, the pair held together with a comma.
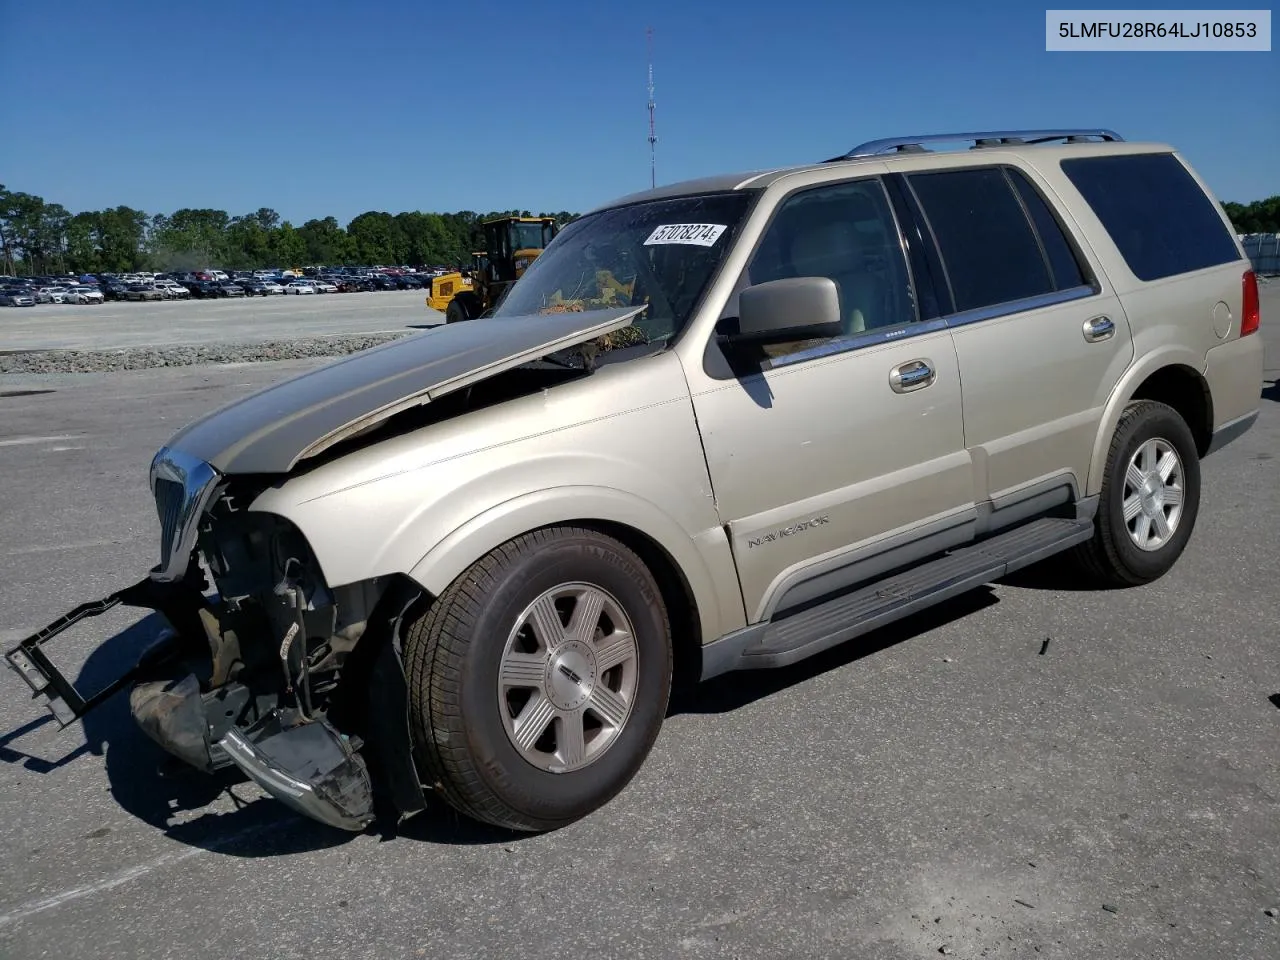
x: 271, y: 430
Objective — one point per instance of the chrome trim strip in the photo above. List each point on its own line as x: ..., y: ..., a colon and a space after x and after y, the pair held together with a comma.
x: 846, y: 344
x: 294, y: 793
x: 179, y: 521
x: 966, y: 317
x: 894, y: 334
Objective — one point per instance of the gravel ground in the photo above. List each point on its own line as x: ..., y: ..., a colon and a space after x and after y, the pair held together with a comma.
x: 186, y: 323
x: 144, y: 358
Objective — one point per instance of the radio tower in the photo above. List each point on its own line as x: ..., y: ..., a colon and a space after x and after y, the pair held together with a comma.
x: 653, y: 139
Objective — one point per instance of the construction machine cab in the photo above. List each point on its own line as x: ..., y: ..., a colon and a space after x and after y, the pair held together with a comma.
x: 511, y: 244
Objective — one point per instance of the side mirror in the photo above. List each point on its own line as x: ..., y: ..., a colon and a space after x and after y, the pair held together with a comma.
x: 796, y: 308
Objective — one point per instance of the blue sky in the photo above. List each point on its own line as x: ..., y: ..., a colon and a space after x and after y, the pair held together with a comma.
x: 324, y: 108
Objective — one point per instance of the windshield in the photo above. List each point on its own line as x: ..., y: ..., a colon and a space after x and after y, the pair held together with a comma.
x: 661, y: 253
x: 529, y: 236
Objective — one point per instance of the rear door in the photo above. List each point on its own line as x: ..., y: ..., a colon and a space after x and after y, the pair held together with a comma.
x: 1041, y: 337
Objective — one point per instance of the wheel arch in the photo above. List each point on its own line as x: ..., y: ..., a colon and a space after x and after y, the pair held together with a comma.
x: 1172, y: 376
x: 690, y: 589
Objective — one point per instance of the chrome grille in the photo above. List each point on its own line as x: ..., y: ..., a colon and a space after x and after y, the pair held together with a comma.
x: 169, y: 498
x: 182, y: 486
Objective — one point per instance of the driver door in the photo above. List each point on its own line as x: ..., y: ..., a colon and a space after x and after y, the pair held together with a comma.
x: 830, y: 457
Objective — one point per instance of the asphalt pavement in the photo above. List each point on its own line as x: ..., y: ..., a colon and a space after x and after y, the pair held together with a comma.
x: 1032, y: 771
x: 164, y: 323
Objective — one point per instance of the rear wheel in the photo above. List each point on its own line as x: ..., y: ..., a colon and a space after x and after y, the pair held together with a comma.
x: 1149, y: 500
x: 539, y: 680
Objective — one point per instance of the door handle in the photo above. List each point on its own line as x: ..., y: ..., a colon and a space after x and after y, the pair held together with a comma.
x: 1099, y: 328
x: 914, y: 375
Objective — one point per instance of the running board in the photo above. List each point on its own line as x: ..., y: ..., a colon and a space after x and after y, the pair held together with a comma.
x: 794, y: 637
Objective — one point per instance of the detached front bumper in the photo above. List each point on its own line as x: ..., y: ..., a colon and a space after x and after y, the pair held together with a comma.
x: 296, y: 756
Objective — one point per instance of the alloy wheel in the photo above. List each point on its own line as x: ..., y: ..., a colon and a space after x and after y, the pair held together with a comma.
x: 567, y: 678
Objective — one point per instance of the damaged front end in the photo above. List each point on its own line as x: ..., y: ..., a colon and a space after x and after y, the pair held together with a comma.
x: 266, y: 668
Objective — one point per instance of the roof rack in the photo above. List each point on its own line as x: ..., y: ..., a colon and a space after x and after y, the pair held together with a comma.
x: 981, y: 139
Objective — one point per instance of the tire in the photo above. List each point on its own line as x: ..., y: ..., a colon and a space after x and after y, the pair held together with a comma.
x: 465, y: 718
x: 1113, y: 557
x: 455, y: 312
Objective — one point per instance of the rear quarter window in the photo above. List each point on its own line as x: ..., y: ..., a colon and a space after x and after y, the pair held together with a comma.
x: 1160, y: 220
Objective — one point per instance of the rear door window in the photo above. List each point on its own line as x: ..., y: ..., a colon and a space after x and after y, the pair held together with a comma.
x: 1161, y: 221
x: 1064, y: 262
x: 989, y: 249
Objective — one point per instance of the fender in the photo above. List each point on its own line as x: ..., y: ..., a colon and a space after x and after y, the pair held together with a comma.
x: 704, y: 560
x: 1149, y: 363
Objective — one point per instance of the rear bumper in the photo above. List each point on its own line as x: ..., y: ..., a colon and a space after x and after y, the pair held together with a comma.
x: 1233, y: 371
x: 1231, y: 431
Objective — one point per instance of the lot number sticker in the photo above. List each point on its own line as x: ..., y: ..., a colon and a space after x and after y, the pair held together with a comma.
x: 693, y: 234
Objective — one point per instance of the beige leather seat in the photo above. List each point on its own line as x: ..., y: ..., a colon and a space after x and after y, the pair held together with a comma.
x: 833, y: 249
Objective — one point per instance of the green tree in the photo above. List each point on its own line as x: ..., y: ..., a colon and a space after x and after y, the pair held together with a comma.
x: 1261, y: 216
x: 82, y: 245
x: 326, y: 242
x: 377, y: 238
x: 121, y: 238
x: 289, y: 247
x: 190, y: 238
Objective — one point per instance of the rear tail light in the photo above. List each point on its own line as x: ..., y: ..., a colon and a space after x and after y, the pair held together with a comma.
x: 1250, y: 311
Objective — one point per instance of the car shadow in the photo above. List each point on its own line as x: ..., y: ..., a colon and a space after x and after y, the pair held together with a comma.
x: 161, y: 791
x: 158, y: 789
x: 733, y: 691
x: 1056, y: 573
x: 1271, y: 391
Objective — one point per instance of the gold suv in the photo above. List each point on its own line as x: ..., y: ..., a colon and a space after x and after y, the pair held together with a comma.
x: 719, y: 425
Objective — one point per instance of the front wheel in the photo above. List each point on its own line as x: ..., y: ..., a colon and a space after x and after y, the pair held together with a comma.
x: 540, y: 679
x: 455, y: 312
x: 1149, y: 500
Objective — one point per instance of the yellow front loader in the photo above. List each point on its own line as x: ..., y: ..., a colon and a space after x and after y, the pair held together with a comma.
x: 512, y: 243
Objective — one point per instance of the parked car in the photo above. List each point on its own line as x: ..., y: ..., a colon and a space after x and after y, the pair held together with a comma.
x: 172, y: 290
x: 271, y: 288
x: 17, y: 298
x: 201, y: 289
x: 225, y: 288
x: 85, y: 295
x: 143, y: 291
x: 299, y: 287
x: 51, y: 294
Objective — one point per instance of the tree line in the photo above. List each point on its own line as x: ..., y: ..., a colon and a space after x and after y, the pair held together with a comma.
x: 1261, y: 216
x: 39, y: 237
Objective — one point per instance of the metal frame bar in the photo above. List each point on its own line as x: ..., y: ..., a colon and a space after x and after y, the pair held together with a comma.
x: 48, y: 683
x: 980, y: 140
